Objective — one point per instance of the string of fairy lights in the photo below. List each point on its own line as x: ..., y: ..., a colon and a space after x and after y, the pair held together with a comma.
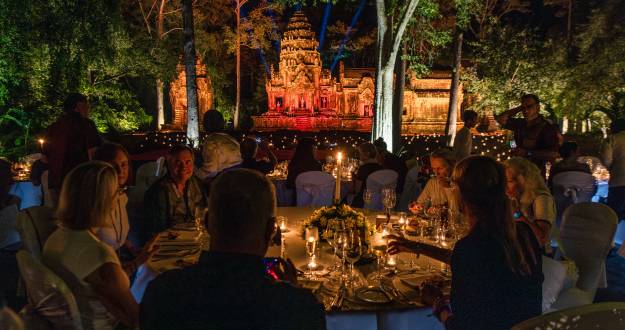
x: 494, y: 144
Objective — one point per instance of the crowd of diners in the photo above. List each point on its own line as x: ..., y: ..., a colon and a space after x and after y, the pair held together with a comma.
x: 496, y: 268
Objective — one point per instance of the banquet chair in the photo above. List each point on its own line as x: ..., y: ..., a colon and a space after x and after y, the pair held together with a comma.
x: 586, y: 236
x: 51, y: 304
x: 314, y: 188
x: 412, y: 189
x: 572, y: 187
x: 35, y: 224
x: 377, y: 181
x: 9, y: 237
x: 607, y: 315
x: 146, y: 175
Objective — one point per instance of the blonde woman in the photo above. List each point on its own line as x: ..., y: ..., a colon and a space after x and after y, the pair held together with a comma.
x: 532, y: 202
x: 438, y: 189
x: 90, y: 267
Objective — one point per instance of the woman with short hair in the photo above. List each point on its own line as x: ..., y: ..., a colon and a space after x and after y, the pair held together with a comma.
x: 115, y: 231
x: 437, y: 190
x: 90, y: 267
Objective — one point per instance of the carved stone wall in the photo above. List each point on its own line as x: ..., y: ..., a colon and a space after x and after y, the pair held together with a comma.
x: 178, y: 94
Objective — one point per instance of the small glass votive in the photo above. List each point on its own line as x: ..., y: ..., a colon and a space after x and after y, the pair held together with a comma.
x: 282, y: 223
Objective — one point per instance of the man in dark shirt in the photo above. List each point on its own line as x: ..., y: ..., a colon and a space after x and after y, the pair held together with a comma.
x: 249, y: 150
x: 368, y: 155
x: 536, y: 138
x: 70, y: 141
x: 228, y: 289
x: 390, y: 161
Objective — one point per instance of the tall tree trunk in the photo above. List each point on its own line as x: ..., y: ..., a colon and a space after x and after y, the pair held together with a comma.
x: 160, y: 106
x: 452, y: 111
x: 193, y: 128
x: 237, y: 104
x: 389, y: 42
x: 398, y: 102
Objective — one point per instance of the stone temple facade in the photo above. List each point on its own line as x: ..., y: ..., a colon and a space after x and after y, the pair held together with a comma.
x: 303, y: 95
x: 178, y: 94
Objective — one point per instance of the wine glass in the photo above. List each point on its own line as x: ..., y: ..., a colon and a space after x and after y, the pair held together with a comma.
x: 282, y: 223
x: 389, y: 198
x: 353, y: 251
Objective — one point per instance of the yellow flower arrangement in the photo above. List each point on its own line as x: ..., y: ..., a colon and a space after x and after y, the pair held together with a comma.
x: 338, y: 217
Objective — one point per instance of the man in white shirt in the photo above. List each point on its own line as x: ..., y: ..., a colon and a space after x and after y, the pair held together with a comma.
x: 464, y: 139
x: 613, y: 157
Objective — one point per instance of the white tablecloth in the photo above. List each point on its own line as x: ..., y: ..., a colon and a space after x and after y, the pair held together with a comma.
x: 417, y: 318
x: 29, y: 194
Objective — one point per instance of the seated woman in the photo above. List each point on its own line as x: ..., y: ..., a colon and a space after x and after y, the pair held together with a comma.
x: 496, y: 268
x: 115, y: 232
x: 176, y: 198
x: 89, y: 266
x: 303, y: 161
x: 569, y: 153
x: 437, y: 191
x: 531, y: 200
x: 368, y: 156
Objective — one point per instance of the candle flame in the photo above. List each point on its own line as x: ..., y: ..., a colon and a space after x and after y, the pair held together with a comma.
x: 41, y: 141
x: 339, y: 156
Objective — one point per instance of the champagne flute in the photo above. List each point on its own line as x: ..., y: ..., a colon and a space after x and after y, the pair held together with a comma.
x: 311, y: 246
x: 312, y: 237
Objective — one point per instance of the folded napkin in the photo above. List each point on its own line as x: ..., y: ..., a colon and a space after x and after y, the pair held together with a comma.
x: 179, y: 237
x: 408, y: 292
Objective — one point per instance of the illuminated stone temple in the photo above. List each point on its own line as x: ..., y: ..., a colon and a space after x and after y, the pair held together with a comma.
x: 303, y: 95
x: 178, y: 94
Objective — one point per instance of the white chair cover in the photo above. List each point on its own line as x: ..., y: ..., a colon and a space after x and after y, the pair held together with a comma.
x: 146, y: 175
x: 35, y: 224
x: 412, y: 189
x: 48, y: 296
x: 608, y: 315
x: 586, y: 236
x: 8, y: 230
x: 377, y: 181
x: 314, y: 188
x: 572, y: 187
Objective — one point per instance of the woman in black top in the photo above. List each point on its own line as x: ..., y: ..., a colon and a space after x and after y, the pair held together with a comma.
x: 496, y: 269
x: 303, y: 161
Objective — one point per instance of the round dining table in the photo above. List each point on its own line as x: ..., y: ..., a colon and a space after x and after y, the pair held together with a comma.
x: 353, y: 314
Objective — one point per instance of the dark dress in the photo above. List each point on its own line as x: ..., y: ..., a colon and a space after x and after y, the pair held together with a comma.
x: 395, y: 163
x: 227, y: 291
x: 361, y: 175
x: 485, y: 293
x: 297, y: 168
x: 68, y: 141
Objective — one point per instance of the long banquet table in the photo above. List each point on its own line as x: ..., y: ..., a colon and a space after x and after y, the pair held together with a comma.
x: 355, y: 315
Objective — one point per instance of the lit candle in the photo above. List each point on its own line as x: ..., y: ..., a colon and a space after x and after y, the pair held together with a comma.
x: 41, y: 141
x: 337, y: 187
x: 390, y: 261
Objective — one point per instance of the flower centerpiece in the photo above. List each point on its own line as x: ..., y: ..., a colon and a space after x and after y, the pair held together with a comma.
x: 337, y: 217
